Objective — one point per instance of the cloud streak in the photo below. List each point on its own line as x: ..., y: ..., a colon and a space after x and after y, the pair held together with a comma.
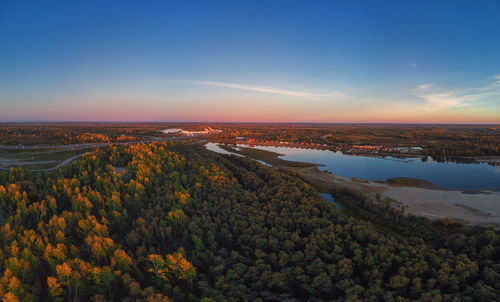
x: 271, y: 90
x: 438, y: 99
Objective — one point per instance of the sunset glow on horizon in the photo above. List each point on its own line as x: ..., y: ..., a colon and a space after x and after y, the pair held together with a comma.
x: 254, y: 62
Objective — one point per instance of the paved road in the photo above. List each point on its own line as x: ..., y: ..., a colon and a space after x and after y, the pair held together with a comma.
x: 66, y: 162
x: 83, y: 146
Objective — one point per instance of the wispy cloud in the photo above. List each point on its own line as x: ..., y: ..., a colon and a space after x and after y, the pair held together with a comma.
x: 496, y: 83
x: 438, y: 99
x: 423, y: 88
x: 272, y: 90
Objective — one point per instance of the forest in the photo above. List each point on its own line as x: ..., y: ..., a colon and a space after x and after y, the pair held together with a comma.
x: 171, y: 221
x: 73, y: 133
x: 29, y: 134
x: 441, y: 142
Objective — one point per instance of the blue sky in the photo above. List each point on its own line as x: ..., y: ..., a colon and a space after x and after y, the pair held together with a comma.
x: 319, y: 61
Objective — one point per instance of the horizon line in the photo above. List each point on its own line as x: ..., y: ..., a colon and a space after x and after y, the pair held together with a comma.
x: 239, y: 122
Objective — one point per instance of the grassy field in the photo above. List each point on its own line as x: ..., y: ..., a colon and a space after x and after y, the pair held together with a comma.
x: 36, y: 167
x: 412, y: 182
x: 21, y: 152
x: 37, y: 159
x: 46, y: 155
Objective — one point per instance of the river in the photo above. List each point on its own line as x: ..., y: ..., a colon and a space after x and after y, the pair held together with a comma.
x: 451, y: 175
x: 462, y: 176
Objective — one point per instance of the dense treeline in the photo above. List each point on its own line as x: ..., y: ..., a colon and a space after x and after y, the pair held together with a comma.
x: 162, y: 222
x: 73, y: 133
x: 441, y: 142
x: 474, y: 241
x: 78, y: 133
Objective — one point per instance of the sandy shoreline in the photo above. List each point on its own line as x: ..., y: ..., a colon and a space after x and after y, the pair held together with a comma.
x: 480, y: 208
x: 419, y: 197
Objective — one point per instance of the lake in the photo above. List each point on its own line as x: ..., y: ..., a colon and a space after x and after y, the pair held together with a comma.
x: 477, y: 176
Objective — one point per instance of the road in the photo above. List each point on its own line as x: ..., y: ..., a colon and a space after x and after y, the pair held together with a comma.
x: 83, y: 146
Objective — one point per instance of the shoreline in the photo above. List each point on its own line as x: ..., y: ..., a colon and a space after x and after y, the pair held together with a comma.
x: 419, y: 197
x: 481, y: 208
x: 488, y: 159
x: 269, y: 157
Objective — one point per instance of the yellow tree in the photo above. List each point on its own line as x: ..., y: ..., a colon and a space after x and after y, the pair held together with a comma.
x: 69, y: 278
x: 179, y: 266
x: 11, y: 288
x: 173, y: 266
x: 99, y: 246
x: 54, y: 286
x: 10, y: 297
x: 157, y: 264
x: 121, y: 260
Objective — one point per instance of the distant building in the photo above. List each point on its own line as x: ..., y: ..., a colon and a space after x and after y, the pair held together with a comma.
x: 207, y: 130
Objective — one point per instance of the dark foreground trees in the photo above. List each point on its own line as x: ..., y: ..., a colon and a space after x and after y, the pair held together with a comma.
x: 182, y: 223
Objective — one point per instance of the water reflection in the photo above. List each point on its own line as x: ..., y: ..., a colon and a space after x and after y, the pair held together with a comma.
x: 215, y: 147
x: 330, y: 198
x: 453, y: 175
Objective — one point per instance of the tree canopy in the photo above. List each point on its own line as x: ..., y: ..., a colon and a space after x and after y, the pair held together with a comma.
x: 183, y: 223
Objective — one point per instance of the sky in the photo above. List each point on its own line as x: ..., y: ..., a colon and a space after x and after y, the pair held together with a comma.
x: 250, y: 61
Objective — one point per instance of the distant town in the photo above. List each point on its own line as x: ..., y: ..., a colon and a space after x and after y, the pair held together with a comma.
x: 345, y: 148
x: 207, y: 131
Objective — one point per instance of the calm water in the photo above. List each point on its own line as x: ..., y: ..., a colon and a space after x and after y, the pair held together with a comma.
x: 448, y: 175
x: 329, y: 197
x: 215, y: 147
